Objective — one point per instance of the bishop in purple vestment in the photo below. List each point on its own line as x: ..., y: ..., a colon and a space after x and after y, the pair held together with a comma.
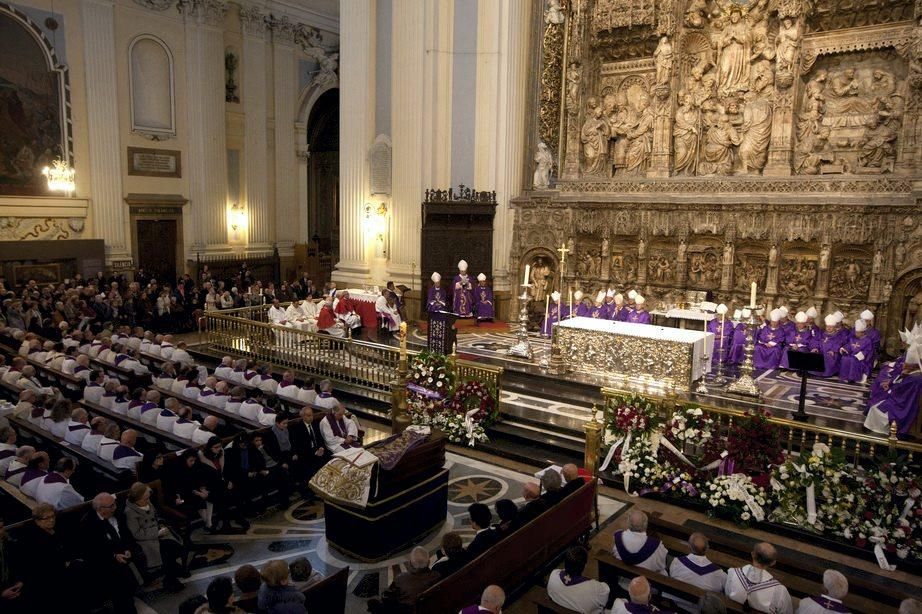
x: 598, y: 310
x: 868, y: 316
x: 888, y: 371
x: 639, y: 315
x: 800, y: 339
x: 583, y: 305
x: 483, y: 300
x: 723, y: 337
x: 553, y: 315
x: 769, y: 343
x: 829, y: 344
x: 618, y: 311
x: 738, y: 344
x: 462, y: 295
x: 857, y: 355
x: 901, y: 403
x: 438, y: 298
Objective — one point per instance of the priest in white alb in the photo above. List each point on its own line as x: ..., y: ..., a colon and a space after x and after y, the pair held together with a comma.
x: 277, y: 315
x: 753, y: 584
x: 635, y: 547
x: 386, y: 306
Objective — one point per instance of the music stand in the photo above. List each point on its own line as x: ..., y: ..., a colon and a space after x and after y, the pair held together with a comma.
x: 803, y: 362
x: 440, y: 336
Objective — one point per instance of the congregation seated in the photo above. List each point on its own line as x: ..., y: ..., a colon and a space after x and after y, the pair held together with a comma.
x: 161, y: 549
x: 107, y: 549
x: 485, y: 536
x: 219, y: 598
x: 696, y: 569
x: 303, y: 435
x: 508, y: 514
x: 35, y: 471
x: 401, y: 595
x: 339, y: 431
x: 572, y: 480
x: 491, y: 602
x: 125, y: 455
x: 551, y: 483
x: 452, y: 556
x: 7, y: 448
x: 754, y: 585
x: 303, y: 574
x: 247, y: 580
x: 568, y: 587
x: 55, y: 488
x: 835, y: 588
x: 109, y: 441
x: 638, y: 600
x: 534, y: 505
x: 277, y: 595
x: 635, y: 547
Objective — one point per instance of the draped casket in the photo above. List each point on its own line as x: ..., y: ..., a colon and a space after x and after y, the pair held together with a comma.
x: 382, y: 499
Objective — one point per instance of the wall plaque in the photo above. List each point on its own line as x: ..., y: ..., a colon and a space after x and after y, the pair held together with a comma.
x: 154, y: 162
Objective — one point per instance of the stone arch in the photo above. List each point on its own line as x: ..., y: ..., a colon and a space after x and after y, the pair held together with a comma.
x: 152, y: 87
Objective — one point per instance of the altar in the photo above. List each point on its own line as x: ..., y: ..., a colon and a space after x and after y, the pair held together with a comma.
x: 671, y: 357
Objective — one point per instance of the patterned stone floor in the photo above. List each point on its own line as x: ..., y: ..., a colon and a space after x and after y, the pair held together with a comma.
x: 298, y: 531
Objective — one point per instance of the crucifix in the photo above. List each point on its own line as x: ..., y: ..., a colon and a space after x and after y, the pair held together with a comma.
x: 563, y: 253
x: 563, y: 259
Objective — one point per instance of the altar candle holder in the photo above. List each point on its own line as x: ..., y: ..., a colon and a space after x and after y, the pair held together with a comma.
x: 522, y: 348
x: 721, y: 379
x: 745, y: 384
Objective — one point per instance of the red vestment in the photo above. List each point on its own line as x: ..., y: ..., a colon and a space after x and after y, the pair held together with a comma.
x: 345, y: 306
x: 326, y: 319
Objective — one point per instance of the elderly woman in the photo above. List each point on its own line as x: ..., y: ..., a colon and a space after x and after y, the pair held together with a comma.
x: 161, y: 547
x: 277, y: 595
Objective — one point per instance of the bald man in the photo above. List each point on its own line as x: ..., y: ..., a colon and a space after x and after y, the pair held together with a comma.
x: 571, y: 478
x: 125, y: 456
x: 491, y: 601
x: 402, y: 592
x: 638, y: 591
x: 753, y: 584
x: 835, y: 588
x: 695, y: 568
x: 635, y: 547
x: 535, y: 505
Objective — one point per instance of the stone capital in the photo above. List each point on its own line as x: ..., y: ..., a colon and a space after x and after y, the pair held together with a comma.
x: 283, y: 29
x: 253, y: 22
x: 204, y: 12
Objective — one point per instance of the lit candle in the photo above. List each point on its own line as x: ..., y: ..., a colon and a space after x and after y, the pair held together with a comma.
x: 528, y: 270
x: 547, y: 307
x: 720, y: 356
x: 570, y: 293
x: 752, y: 295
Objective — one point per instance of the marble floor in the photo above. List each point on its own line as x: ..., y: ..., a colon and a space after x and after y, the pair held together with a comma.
x: 298, y: 531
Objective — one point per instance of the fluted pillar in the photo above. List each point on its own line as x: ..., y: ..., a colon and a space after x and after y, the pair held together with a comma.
x: 407, y: 121
x: 356, y: 134
x: 108, y: 209
x: 286, y: 164
x: 207, y: 159
x: 502, y: 49
x: 256, y: 168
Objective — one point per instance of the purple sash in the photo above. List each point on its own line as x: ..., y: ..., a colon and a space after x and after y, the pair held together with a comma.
x: 7, y: 453
x: 471, y: 609
x: 80, y: 369
x: 206, y: 393
x: 74, y: 427
x: 148, y: 406
x: 121, y: 358
x: 134, y: 403
x: 637, y: 608
x: 124, y: 452
x: 749, y: 586
x: 249, y: 376
x: 11, y: 472
x: 55, y: 478
x: 701, y: 570
x: 284, y: 384
x: 569, y: 580
x: 339, y: 429
x: 31, y: 473
x: 829, y: 604
x: 635, y: 558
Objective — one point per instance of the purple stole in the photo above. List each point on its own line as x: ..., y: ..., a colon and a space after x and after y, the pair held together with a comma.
x: 339, y: 429
x: 30, y: 474
x: 72, y: 428
x: 638, y: 317
x: 599, y: 312
x: 701, y: 570
x: 166, y: 413
x: 569, y: 580
x: 124, y: 452
x: 828, y: 604
x: 11, y: 472
x: 265, y: 377
x: 80, y: 369
x: 471, y: 609
x: 121, y: 358
x: 749, y: 586
x: 148, y: 406
x: 55, y: 478
x: 635, y: 558
x: 249, y: 376
x: 637, y: 608
x: 7, y: 453
x: 284, y: 384
x: 134, y: 403
x: 206, y: 393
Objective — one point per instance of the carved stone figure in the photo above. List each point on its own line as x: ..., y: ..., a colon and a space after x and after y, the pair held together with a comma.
x: 554, y: 14
x: 824, y: 257
x: 605, y: 251
x: 877, y: 145
x: 540, y: 273
x: 573, y: 81
x: 899, y: 254
x: 773, y: 256
x: 662, y: 59
x: 641, y: 248
x: 326, y: 76
x: 695, y: 13
x: 812, y: 150
x: 756, y: 132
x: 594, y: 137
x: 685, y: 134
x: 799, y: 277
x: 814, y: 105
x: 786, y: 44
x: 734, y: 53
x: 728, y: 254
x: 719, y: 141
x: 877, y: 263
x: 683, y: 247
x: 545, y: 162
x: 640, y: 138
x: 850, y: 279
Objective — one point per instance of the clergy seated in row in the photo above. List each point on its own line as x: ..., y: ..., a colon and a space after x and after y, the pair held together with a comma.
x: 18, y: 466
x: 386, y: 308
x: 638, y: 601
x: 483, y: 300
x: 696, y: 568
x: 491, y: 602
x: 857, y: 355
x: 437, y: 299
x: 635, y: 547
x: 35, y: 471
x: 755, y: 586
x: 462, y: 292
x: 339, y: 430
x: 568, y: 587
x: 328, y: 321
x: 830, y: 343
x: 890, y: 370
x: 344, y: 307
x: 769, y: 343
x: 401, y: 595
x: 722, y: 329
x: 7, y: 448
x: 898, y: 399
x: 55, y: 488
x: 556, y: 312
x: 835, y: 588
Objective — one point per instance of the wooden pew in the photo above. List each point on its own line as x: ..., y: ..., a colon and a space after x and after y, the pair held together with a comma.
x: 511, y: 562
x: 16, y: 506
x: 228, y: 417
x: 147, y: 429
x: 539, y: 598
x: 612, y: 569
x: 802, y: 577
x: 327, y: 596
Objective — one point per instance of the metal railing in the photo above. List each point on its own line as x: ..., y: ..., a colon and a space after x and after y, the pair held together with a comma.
x: 795, y: 436
x: 362, y: 364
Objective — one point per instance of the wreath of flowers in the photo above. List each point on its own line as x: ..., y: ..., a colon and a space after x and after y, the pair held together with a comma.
x: 735, y: 497
x: 691, y: 430
x: 634, y: 414
x: 477, y: 394
x: 752, y: 447
x: 430, y: 370
x: 892, y: 516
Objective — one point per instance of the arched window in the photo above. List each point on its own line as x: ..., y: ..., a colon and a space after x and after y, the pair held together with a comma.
x: 152, y: 98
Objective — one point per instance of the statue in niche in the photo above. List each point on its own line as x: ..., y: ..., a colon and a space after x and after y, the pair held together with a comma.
x: 773, y: 256
x: 640, y: 138
x: 786, y: 44
x: 695, y: 13
x: 719, y: 141
x: 620, y: 118
x: 685, y: 136
x: 594, y: 137
x: 799, y: 277
x: 683, y: 247
x: 814, y: 106
x: 756, y: 128
x: 899, y: 254
x: 662, y: 270
x: 913, y: 312
x: 662, y: 59
x: 545, y: 162
x: 824, y: 257
x: 734, y: 53
x: 573, y: 81
x: 728, y: 254
x: 877, y: 145
x: 230, y: 77
x: 554, y: 14
x: 326, y: 76
x: 605, y: 252
x: 877, y: 263
x: 641, y: 248
x: 540, y: 274
x: 850, y: 279
x: 696, y: 269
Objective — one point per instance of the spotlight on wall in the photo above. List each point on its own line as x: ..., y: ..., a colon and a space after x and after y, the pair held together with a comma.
x: 375, y: 220
x: 237, y: 216
x: 60, y: 177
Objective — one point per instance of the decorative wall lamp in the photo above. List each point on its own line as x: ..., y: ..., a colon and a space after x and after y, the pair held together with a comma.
x: 60, y: 177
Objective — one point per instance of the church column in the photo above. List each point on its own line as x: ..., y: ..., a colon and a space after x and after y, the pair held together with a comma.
x: 256, y: 170
x: 286, y: 163
x: 109, y: 219
x: 356, y: 134
x: 207, y: 160
x: 407, y: 118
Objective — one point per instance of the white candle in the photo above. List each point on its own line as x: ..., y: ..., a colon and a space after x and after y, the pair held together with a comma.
x: 528, y: 270
x: 752, y: 295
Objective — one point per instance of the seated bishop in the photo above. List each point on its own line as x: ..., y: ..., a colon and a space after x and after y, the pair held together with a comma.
x: 583, y: 304
x: 556, y: 312
x: 598, y: 310
x: 835, y: 588
x: 830, y: 343
x: 483, y: 300
x: 327, y: 321
x: 754, y: 585
x: 639, y: 315
x: 769, y: 343
x: 345, y: 311
x: 339, y: 432
x: 568, y: 587
x: 617, y: 311
x: 900, y: 401
x: 857, y: 355
x: 635, y: 547
x: 801, y: 339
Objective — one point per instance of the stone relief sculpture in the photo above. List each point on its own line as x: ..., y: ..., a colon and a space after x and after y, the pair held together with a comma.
x: 594, y: 137
x: 554, y: 13
x: 639, y: 137
x: 573, y: 81
x: 545, y: 163
x: 685, y: 134
x: 662, y: 59
x: 695, y: 13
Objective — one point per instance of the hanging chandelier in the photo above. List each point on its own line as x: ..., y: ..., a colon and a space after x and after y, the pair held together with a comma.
x: 60, y: 177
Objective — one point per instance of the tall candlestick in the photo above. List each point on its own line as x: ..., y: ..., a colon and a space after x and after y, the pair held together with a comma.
x: 559, y: 312
x: 528, y: 270
x: 720, y: 356
x: 752, y: 295
x: 570, y: 293
x: 547, y: 306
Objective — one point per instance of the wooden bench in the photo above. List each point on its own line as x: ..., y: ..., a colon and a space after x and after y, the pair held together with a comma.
x: 612, y: 569
x: 147, y: 429
x: 327, y: 595
x: 513, y: 561
x: 539, y: 598
x: 228, y: 417
x: 802, y: 577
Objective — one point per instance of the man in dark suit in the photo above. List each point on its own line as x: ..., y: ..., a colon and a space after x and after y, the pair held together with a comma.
x: 307, y: 443
x: 572, y: 480
x: 534, y: 504
x: 481, y: 517
x: 107, y: 551
x: 401, y: 594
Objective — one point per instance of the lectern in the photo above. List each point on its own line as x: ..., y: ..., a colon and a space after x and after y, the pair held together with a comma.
x: 440, y: 337
x: 803, y: 363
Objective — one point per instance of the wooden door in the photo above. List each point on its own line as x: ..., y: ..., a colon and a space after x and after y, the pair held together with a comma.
x: 157, y: 249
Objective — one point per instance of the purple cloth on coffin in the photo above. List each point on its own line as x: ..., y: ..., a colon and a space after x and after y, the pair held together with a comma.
x: 582, y: 310
x: 437, y: 299
x: 799, y: 341
x: 723, y: 331
x: 483, y: 302
x: 552, y: 318
x: 851, y: 369
x: 830, y: 344
x: 902, y: 402
x: 768, y: 356
x: 599, y: 312
x: 738, y: 344
x: 638, y: 317
x: 886, y: 374
x: 462, y: 299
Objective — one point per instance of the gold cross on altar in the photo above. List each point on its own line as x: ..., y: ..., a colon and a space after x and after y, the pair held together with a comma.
x: 563, y: 252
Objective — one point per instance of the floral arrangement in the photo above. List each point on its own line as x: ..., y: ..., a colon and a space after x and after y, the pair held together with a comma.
x: 635, y: 415
x: 753, y: 447
x: 892, y: 517
x: 475, y: 394
x: 430, y: 370
x: 736, y: 497
x: 815, y: 491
